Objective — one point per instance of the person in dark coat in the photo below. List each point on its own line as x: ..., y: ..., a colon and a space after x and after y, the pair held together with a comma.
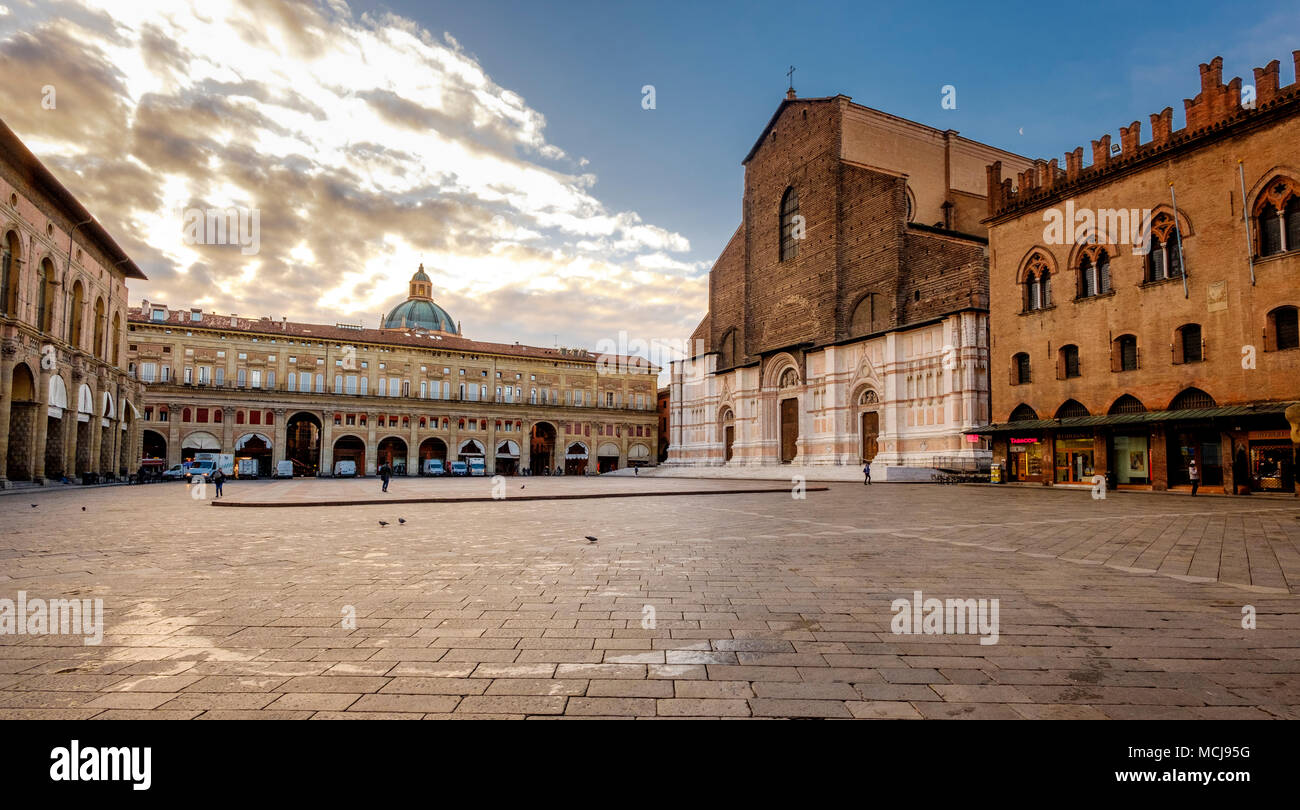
x: 385, y: 473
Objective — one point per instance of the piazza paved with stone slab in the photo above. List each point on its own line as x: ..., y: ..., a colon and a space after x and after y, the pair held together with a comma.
x: 755, y: 605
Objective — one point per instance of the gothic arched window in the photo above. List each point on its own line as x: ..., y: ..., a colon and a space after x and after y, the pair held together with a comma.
x: 791, y: 233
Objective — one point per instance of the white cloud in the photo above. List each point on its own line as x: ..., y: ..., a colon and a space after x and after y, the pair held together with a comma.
x: 366, y: 142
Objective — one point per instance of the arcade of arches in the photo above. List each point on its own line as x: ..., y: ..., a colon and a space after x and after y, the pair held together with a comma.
x: 314, y: 442
x: 1147, y: 445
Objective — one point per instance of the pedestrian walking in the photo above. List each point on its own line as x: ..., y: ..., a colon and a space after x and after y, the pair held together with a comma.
x: 218, y: 478
x: 385, y: 473
x: 866, y: 473
x: 1194, y: 474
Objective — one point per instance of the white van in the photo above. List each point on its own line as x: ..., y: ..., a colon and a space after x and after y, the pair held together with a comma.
x: 248, y: 468
x: 476, y: 466
x: 345, y: 469
x: 284, y: 469
x: 433, y: 466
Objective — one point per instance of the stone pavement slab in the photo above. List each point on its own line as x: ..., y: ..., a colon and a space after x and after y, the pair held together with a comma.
x: 738, y: 605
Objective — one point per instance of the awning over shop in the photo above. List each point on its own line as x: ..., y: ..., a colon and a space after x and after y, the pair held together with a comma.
x: 1145, y: 418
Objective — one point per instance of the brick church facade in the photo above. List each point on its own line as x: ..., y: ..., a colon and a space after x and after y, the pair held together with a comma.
x: 1131, y: 358
x: 848, y: 314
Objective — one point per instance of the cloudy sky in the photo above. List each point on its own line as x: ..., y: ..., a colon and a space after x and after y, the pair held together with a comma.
x: 505, y: 144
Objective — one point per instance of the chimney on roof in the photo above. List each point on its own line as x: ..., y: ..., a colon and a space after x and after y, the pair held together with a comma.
x: 144, y: 306
x: 234, y: 321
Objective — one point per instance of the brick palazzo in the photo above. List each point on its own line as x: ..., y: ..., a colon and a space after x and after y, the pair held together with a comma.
x: 66, y: 404
x: 1132, y: 357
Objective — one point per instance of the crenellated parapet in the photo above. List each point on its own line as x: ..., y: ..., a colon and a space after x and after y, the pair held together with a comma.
x: 1214, y: 108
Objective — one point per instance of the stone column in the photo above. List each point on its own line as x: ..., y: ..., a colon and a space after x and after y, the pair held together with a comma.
x: 8, y: 358
x: 490, y: 451
x: 96, y: 425
x: 326, y: 444
x: 174, y: 411
x: 42, y: 420
x: 1100, y: 458
x: 71, y: 425
x: 227, y: 433
x: 413, y: 448
x: 372, y: 449
x: 115, y: 428
x: 278, y: 438
x: 1159, y: 464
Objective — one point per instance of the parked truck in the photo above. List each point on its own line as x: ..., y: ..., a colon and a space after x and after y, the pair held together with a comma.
x: 247, y: 468
x: 205, y: 463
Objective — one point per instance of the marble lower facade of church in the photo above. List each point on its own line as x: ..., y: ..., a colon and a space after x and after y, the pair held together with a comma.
x: 904, y: 401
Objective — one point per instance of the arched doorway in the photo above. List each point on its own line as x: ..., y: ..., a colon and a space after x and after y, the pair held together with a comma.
x: 727, y: 422
x: 575, y: 459
x: 789, y: 414
x: 85, y: 424
x: 392, y: 451
x: 153, y: 456
x: 507, y: 458
x: 433, y: 448
x: 199, y: 442
x: 469, y: 449
x: 256, y: 446
x: 638, y: 455
x: 350, y: 448
x: 302, y: 443
x: 868, y: 425
x: 57, y: 418
x: 607, y: 457
x: 1189, y: 437
x: 541, y: 446
x: 22, y: 424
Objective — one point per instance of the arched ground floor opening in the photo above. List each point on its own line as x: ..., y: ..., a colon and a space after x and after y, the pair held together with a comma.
x: 392, y: 451
x: 607, y: 456
x: 199, y: 442
x: 22, y: 424
x: 350, y: 448
x: 54, y: 444
x: 638, y: 455
x: 255, y: 446
x: 433, y: 448
x: 507, y: 458
x: 575, y: 459
x: 153, y: 453
x: 83, y: 443
x: 541, y: 448
x: 302, y: 443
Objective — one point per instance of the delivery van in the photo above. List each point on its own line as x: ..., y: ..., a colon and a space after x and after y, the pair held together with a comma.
x: 459, y: 468
x: 345, y: 469
x: 434, y: 466
x: 476, y: 466
x: 284, y: 469
x: 247, y: 468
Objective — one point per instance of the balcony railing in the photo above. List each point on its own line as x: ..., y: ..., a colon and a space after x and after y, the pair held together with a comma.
x: 175, y: 387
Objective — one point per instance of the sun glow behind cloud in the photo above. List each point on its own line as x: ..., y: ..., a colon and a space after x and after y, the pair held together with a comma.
x: 368, y: 144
